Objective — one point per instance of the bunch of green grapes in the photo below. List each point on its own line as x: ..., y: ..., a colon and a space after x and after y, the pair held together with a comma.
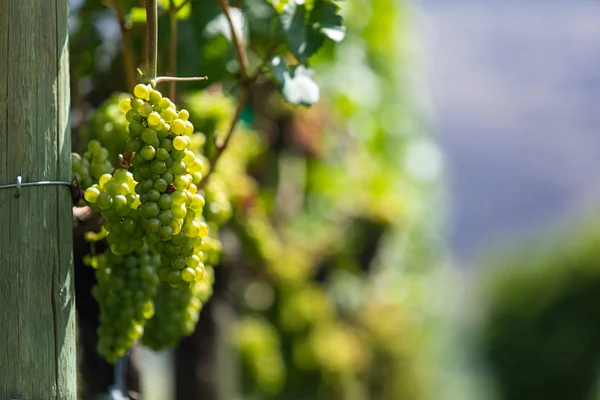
x: 260, y: 347
x: 304, y: 307
x: 125, y: 289
x: 94, y: 163
x: 332, y: 347
x: 167, y: 172
x: 114, y: 197
x: 107, y: 124
x: 177, y: 312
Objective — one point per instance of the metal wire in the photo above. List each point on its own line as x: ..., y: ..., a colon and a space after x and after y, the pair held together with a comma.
x: 21, y: 184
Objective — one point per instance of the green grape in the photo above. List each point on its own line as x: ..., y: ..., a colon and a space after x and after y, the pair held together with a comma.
x: 177, y: 311
x: 125, y: 289
x: 81, y: 170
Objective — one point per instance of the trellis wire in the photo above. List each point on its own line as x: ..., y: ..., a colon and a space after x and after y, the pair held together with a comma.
x: 21, y: 184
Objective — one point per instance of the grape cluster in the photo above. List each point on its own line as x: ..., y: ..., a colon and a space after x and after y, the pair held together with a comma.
x: 218, y: 207
x: 177, y: 312
x: 260, y: 346
x: 125, y: 289
x: 115, y: 198
x: 94, y: 163
x: 167, y: 172
x: 107, y: 124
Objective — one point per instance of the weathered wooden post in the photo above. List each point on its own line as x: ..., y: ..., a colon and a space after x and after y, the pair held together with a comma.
x: 37, y: 317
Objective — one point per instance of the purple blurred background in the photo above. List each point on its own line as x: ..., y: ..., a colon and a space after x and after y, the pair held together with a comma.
x: 516, y: 96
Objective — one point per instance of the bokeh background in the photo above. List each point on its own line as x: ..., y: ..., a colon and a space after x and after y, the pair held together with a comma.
x: 466, y: 137
x: 514, y: 87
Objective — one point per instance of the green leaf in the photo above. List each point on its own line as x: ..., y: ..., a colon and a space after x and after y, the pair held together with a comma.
x: 306, y: 31
x: 262, y: 21
x: 293, y: 24
x: 183, y: 13
x: 325, y: 19
x: 278, y: 68
x: 138, y: 15
x: 296, y: 84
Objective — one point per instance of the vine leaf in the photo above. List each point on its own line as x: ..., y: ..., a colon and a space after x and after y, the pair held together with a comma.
x: 262, y: 20
x: 325, y: 19
x: 307, y: 30
x: 185, y: 7
x: 296, y: 83
x: 137, y: 15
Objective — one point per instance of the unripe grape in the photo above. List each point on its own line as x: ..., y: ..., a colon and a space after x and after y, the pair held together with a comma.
x: 183, y: 114
x: 141, y: 91
x: 178, y: 126
x: 149, y: 136
x: 91, y: 194
x: 150, y: 210
x: 164, y: 103
x: 145, y: 110
x: 162, y: 154
x: 136, y: 104
x: 104, y: 201
x: 189, y: 128
x: 125, y: 105
x: 148, y: 152
x: 135, y: 128
x: 154, y: 119
x: 179, y: 143
x: 132, y: 145
x: 168, y: 114
x: 155, y: 97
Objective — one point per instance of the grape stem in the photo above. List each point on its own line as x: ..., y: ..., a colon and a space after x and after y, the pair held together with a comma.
x: 151, y: 39
x: 178, y: 79
x: 245, y: 84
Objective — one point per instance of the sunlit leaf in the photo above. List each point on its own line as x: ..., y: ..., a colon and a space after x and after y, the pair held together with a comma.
x: 306, y: 31
x: 138, y: 15
x: 296, y: 84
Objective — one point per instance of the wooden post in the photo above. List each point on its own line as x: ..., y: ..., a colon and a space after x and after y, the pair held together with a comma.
x: 37, y: 318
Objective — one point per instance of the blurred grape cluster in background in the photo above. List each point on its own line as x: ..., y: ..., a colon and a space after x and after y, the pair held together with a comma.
x: 337, y: 279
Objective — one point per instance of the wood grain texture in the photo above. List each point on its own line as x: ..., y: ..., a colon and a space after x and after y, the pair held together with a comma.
x: 37, y: 319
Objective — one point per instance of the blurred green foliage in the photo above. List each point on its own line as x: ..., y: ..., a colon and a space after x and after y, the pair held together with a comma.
x: 540, y: 332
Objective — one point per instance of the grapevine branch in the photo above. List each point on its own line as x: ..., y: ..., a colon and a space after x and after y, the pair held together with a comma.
x: 128, y: 61
x: 172, y: 47
x: 151, y: 38
x: 151, y: 61
x: 246, y: 82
